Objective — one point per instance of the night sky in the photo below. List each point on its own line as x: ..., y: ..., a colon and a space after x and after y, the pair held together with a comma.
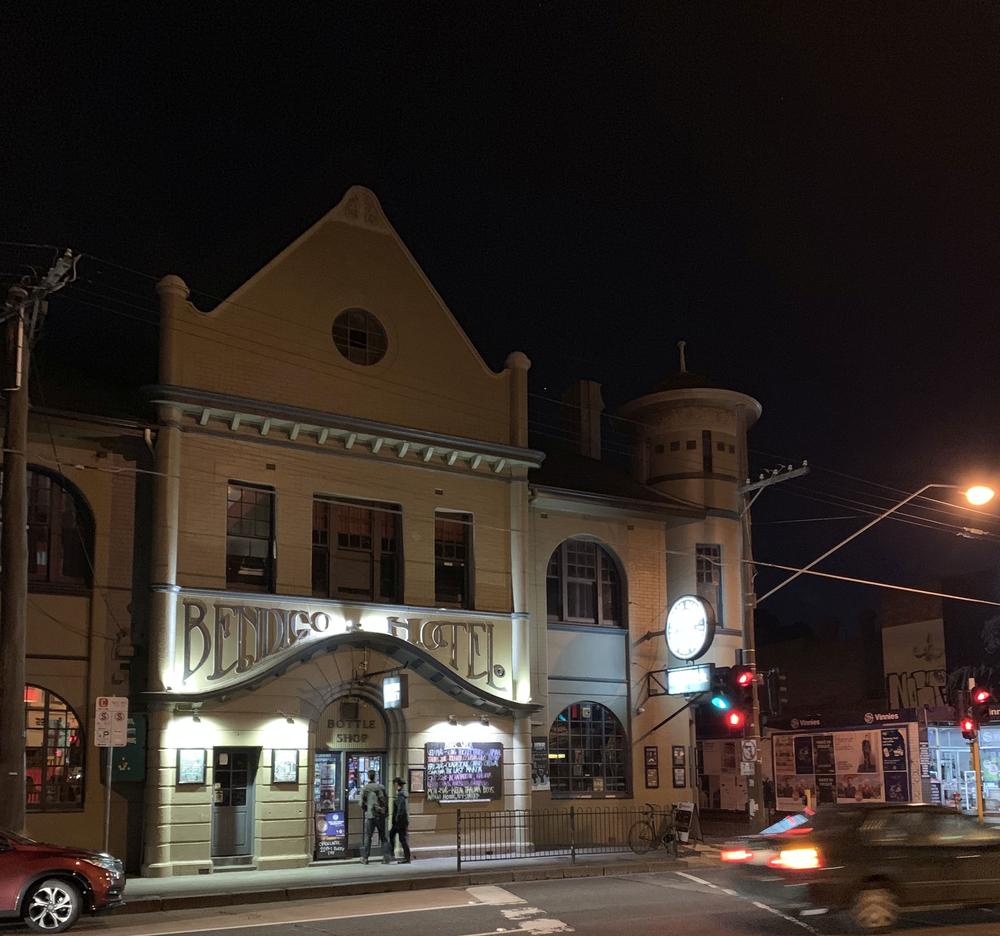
x: 808, y: 194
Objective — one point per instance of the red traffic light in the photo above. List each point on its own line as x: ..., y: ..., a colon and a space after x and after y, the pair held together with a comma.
x: 980, y: 695
x: 744, y: 678
x: 967, y: 725
x: 735, y: 719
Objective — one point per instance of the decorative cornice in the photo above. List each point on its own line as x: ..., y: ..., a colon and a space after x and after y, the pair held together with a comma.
x: 546, y: 497
x: 334, y: 431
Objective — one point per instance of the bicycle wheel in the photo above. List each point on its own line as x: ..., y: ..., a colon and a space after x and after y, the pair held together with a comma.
x: 642, y: 837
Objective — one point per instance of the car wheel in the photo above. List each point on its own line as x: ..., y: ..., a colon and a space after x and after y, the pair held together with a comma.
x: 875, y: 910
x: 53, y: 906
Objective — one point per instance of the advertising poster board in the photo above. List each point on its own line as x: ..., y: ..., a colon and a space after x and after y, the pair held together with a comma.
x: 540, y: 762
x: 331, y: 835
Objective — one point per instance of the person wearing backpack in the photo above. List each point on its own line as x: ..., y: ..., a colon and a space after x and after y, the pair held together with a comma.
x: 375, y: 803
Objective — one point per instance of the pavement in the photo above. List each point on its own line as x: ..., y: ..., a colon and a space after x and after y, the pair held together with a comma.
x: 350, y: 878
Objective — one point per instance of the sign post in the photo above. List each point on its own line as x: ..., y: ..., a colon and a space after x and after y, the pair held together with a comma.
x: 110, y: 731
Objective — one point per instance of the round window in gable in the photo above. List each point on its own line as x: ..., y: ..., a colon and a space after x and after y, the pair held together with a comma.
x: 359, y: 336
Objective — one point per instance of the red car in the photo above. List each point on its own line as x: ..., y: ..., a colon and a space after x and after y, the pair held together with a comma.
x: 49, y: 886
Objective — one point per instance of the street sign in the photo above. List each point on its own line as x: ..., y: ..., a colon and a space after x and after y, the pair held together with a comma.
x: 746, y: 768
x: 111, y: 721
x: 688, y: 680
x: 748, y: 749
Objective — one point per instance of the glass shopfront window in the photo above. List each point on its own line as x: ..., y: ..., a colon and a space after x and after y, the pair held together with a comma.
x: 953, y: 781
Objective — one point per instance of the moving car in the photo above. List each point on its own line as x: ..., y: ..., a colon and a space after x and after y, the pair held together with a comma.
x: 872, y: 861
x: 48, y: 886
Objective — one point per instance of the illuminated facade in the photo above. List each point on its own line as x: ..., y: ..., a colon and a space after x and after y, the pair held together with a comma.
x: 340, y: 493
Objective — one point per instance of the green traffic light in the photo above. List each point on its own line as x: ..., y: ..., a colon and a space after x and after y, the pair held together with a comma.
x: 721, y: 702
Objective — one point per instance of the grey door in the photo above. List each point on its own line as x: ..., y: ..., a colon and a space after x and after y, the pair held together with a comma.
x: 235, y: 770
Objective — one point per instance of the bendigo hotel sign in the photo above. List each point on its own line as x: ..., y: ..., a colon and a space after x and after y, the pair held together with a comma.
x: 223, y: 641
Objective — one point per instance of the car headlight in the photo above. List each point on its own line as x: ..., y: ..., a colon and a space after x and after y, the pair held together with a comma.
x: 106, y: 862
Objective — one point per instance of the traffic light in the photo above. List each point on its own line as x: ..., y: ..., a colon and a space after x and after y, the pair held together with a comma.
x: 721, y: 697
x: 774, y: 698
x: 735, y: 719
x: 980, y: 695
x: 969, y: 727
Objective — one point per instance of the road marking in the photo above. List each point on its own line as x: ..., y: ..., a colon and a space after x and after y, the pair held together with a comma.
x: 541, y: 925
x: 785, y: 916
x: 697, y: 880
x: 287, y: 916
x: 493, y: 896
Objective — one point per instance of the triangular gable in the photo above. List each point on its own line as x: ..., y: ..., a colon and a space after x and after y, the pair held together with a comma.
x: 272, y: 338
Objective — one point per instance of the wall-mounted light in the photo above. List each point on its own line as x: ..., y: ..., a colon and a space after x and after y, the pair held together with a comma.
x: 452, y: 719
x: 196, y: 718
x: 484, y: 719
x: 289, y: 719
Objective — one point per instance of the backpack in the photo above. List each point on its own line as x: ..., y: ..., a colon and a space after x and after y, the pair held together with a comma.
x: 381, y: 807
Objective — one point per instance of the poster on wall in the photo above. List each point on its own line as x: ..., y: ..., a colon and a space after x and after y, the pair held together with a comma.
x: 191, y: 765
x: 540, y: 763
x: 859, y: 774
x: 804, y: 755
x: 784, y: 754
x: 285, y: 766
x: 464, y: 773
x: 826, y: 769
x: 791, y: 789
x: 895, y: 775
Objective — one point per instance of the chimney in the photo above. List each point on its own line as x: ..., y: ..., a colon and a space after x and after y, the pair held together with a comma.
x: 583, y: 407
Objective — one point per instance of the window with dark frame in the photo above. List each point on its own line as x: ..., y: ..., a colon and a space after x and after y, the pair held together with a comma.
x: 357, y: 550
x: 453, y: 559
x: 359, y: 336
x: 250, y: 538
x: 587, y: 752
x: 708, y: 575
x: 60, y: 535
x: 706, y: 451
x: 583, y: 585
x: 691, y: 445
x: 53, y: 753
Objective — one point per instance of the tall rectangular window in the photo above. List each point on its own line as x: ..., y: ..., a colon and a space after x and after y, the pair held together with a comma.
x: 706, y: 451
x: 357, y: 554
x: 708, y: 574
x: 453, y: 559
x: 250, y: 538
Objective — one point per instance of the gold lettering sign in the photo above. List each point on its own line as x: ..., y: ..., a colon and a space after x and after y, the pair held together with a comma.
x: 223, y: 642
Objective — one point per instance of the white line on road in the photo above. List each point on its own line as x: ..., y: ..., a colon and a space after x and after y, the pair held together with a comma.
x: 697, y: 880
x: 784, y: 916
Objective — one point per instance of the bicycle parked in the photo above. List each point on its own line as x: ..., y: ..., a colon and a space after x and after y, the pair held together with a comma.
x: 652, y: 831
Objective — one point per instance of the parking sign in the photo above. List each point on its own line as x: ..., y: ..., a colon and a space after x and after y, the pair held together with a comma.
x: 111, y: 721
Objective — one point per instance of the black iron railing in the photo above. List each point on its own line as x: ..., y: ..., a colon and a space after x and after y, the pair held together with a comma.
x: 553, y: 833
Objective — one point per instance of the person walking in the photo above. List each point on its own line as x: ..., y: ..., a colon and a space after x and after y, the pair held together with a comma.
x: 400, y: 822
x: 375, y: 803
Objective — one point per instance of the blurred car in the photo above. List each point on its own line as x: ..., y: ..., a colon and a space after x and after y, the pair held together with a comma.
x: 49, y: 886
x: 873, y: 861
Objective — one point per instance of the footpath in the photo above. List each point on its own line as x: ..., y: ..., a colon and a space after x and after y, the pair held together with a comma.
x: 351, y: 878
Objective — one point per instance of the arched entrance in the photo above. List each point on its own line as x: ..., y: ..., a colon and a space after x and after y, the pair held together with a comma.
x: 352, y: 737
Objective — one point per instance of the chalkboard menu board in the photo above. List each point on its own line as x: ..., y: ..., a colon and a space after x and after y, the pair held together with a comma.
x: 464, y: 773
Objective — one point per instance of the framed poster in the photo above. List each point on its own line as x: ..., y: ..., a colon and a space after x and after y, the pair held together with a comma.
x: 285, y: 766
x: 680, y: 778
x: 190, y: 766
x: 652, y: 756
x: 540, y: 763
x: 416, y: 779
x: 678, y: 755
x: 652, y: 778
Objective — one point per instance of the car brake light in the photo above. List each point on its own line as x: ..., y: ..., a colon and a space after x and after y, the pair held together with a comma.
x: 797, y: 859
x: 735, y: 854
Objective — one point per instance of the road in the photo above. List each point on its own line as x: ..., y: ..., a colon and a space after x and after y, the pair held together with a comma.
x: 702, y: 901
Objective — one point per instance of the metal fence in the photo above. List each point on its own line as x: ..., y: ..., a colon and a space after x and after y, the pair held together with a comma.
x: 548, y: 833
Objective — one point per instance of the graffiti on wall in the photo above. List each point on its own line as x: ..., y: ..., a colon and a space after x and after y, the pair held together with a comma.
x: 914, y: 664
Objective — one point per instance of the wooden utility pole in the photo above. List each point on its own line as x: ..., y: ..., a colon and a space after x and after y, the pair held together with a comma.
x: 23, y: 311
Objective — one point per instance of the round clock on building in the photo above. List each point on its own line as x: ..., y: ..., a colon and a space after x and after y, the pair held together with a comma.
x: 690, y: 627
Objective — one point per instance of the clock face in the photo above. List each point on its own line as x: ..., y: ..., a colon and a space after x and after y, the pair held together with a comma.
x: 690, y: 627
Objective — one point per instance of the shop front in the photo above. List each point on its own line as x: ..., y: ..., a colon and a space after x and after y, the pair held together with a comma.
x: 351, y: 740
x: 280, y: 710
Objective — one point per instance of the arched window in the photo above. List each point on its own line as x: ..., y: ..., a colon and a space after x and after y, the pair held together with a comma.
x: 53, y: 752
x: 587, y: 751
x: 583, y: 585
x: 60, y: 533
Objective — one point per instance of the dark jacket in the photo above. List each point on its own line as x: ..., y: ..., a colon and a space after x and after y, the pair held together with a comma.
x: 401, y: 812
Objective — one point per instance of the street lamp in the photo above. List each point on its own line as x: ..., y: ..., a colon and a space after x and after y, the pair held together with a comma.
x: 978, y: 495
